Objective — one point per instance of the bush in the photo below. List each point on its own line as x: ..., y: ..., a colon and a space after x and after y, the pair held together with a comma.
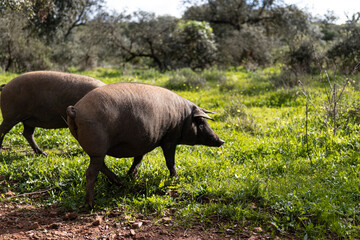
x: 237, y: 115
x: 287, y: 79
x: 282, y: 98
x: 185, y: 79
x: 250, y: 46
x: 228, y: 84
x: 20, y: 51
x: 214, y: 75
x: 345, y: 53
x: 302, y: 58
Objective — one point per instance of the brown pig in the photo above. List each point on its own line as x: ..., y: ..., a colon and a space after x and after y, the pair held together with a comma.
x: 39, y: 99
x: 131, y: 119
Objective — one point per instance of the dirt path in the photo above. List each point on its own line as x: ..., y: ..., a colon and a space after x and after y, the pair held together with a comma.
x: 30, y: 222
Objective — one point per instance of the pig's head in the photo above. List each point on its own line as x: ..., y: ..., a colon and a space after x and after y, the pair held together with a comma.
x: 197, y: 131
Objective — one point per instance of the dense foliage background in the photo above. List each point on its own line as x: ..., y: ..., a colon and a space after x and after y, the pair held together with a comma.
x: 59, y: 34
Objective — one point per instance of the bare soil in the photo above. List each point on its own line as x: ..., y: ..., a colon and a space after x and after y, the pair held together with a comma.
x: 27, y: 221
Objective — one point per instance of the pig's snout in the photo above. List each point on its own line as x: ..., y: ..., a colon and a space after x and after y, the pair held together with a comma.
x: 220, y: 142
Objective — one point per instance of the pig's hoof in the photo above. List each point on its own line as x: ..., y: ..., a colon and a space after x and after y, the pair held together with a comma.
x: 90, y: 203
x: 117, y: 182
x: 40, y: 152
x: 44, y: 154
x: 132, y: 175
x: 174, y: 174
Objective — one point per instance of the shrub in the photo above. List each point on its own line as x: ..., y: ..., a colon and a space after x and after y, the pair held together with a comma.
x: 345, y: 53
x: 214, y: 75
x: 302, y: 58
x: 185, y: 79
x: 229, y: 83
x: 250, y: 45
x: 238, y: 117
x: 287, y: 79
x: 281, y: 98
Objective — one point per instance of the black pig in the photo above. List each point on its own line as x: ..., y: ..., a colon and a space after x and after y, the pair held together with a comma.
x: 39, y: 99
x: 131, y: 119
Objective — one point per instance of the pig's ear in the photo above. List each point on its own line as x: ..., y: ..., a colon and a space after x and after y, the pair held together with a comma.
x: 207, y: 111
x: 201, y: 113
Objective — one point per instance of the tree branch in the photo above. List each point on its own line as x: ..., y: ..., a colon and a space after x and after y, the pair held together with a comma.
x: 31, y: 193
x: 76, y: 23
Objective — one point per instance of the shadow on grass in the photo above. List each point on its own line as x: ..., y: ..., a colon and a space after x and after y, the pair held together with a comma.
x: 110, y: 195
x: 64, y: 173
x: 9, y: 155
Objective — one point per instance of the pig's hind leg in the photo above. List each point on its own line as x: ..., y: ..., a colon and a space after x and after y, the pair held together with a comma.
x: 91, y: 174
x: 110, y: 175
x: 97, y: 164
x: 135, y: 166
x: 5, y: 127
x: 28, y: 133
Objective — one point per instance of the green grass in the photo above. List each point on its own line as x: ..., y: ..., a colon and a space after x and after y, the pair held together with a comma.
x: 269, y: 173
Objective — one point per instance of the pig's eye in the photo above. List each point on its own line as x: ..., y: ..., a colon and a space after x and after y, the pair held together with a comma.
x: 199, y: 120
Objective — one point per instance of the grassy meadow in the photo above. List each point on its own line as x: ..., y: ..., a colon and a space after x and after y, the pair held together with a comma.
x: 290, y: 164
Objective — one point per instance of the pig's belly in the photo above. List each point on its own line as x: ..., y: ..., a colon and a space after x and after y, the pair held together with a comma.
x: 125, y: 150
x: 48, y: 121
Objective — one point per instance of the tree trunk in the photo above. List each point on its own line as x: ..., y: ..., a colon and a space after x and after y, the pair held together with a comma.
x: 10, y: 59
